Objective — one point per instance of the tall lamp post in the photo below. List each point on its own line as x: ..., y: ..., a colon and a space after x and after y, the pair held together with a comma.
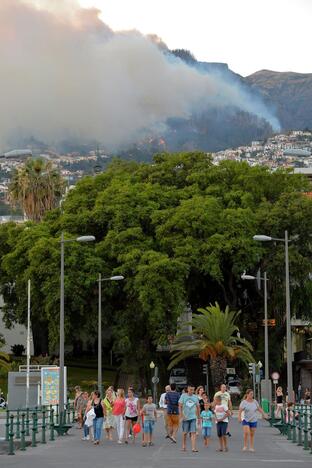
x: 266, y: 332
x: 100, y: 280
x: 61, y: 384
x: 263, y: 238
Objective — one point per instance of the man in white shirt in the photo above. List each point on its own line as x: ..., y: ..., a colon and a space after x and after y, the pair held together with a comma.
x: 163, y: 407
x: 225, y: 399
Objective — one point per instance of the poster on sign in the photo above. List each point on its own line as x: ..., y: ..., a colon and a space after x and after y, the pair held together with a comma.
x: 50, y: 381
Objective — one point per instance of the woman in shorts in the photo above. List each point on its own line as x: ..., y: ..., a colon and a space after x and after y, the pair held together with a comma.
x: 131, y: 414
x: 250, y: 408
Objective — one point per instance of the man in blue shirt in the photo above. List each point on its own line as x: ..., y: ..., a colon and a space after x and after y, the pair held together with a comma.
x: 189, y: 411
x: 172, y: 401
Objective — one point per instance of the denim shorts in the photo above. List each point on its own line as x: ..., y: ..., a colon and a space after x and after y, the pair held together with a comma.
x: 148, y: 426
x: 222, y: 428
x: 252, y: 425
x: 206, y: 431
x: 189, y: 425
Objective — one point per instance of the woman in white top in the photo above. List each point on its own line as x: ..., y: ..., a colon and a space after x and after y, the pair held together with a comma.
x: 250, y: 407
x: 132, y: 413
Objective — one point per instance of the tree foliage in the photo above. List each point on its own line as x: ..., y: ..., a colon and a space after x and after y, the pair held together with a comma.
x: 37, y: 187
x: 214, y: 337
x: 181, y: 232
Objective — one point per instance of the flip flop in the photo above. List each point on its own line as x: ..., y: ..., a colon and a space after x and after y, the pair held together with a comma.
x: 183, y: 449
x: 194, y: 451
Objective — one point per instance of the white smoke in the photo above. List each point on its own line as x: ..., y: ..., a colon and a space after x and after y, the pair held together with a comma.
x: 66, y: 73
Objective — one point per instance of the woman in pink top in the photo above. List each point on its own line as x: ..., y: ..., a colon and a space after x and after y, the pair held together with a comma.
x: 119, y: 409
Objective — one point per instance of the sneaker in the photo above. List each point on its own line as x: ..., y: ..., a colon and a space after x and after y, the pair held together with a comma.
x: 119, y: 442
x: 151, y: 444
x: 84, y: 438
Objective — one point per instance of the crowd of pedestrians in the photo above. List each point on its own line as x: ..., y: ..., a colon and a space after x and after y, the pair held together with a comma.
x: 124, y: 414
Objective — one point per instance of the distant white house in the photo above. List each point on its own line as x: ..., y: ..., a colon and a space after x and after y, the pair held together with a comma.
x: 17, y: 334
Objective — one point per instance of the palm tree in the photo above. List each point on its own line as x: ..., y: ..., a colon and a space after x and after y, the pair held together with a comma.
x: 214, y: 337
x: 37, y: 187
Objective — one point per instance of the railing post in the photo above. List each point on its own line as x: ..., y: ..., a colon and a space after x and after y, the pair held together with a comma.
x: 289, y: 423
x: 11, y: 436
x: 23, y: 444
x: 7, y: 425
x: 43, y: 435
x: 299, y: 427
x: 294, y: 431
x: 27, y: 422
x: 272, y: 419
x: 57, y: 415
x: 34, y: 430
x: 36, y: 412
x: 18, y: 433
x: 68, y: 412
x: 52, y: 424
x: 305, y: 430
x: 73, y: 413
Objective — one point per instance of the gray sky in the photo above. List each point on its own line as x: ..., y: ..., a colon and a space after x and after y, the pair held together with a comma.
x: 249, y: 35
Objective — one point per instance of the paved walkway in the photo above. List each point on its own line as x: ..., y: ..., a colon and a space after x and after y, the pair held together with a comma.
x: 272, y: 450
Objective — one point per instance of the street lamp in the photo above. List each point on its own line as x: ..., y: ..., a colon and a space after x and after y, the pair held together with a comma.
x: 100, y: 280
x: 266, y: 331
x: 263, y: 238
x: 61, y: 383
x: 155, y: 380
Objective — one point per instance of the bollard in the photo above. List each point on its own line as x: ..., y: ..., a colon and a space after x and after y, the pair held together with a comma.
x: 43, y: 434
x: 52, y: 424
x: 18, y: 432
x: 27, y: 422
x: 7, y: 425
x: 34, y: 430
x: 23, y: 443
x: 311, y: 428
x: 11, y: 436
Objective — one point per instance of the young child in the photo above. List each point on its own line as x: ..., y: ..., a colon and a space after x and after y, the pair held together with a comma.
x: 222, y: 414
x: 206, y: 420
x: 150, y: 415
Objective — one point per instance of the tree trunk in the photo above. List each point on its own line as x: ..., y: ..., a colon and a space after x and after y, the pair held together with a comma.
x: 40, y: 338
x: 218, y: 371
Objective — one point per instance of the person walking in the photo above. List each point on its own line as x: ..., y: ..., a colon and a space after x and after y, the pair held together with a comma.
x: 206, y: 423
x: 109, y: 420
x: 78, y: 402
x: 150, y: 415
x: 307, y: 396
x: 132, y: 413
x: 119, y: 408
x: 189, y: 414
x: 222, y: 414
x: 200, y: 392
x: 86, y: 428
x: 279, y: 396
x: 100, y: 412
x: 250, y: 407
x: 163, y: 407
x: 226, y: 399
x: 172, y: 401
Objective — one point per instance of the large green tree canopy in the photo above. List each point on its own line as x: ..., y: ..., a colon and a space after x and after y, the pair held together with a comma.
x: 181, y: 232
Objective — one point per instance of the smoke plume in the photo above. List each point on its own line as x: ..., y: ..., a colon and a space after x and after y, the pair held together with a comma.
x: 63, y: 72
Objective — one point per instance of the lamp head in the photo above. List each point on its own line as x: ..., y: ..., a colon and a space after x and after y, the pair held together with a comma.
x: 262, y: 238
x: 85, y: 239
x: 117, y: 278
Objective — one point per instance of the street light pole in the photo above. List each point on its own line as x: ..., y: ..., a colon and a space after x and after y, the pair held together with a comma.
x: 266, y: 339
x: 100, y: 336
x: 62, y: 333
x: 288, y: 325
x: 266, y: 329
x: 100, y: 280
x: 61, y: 363
x: 263, y: 238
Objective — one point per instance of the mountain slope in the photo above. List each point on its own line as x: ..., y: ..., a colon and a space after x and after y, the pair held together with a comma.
x: 290, y: 94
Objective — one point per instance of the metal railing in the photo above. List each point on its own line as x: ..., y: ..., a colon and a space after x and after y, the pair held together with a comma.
x: 28, y: 427
x: 295, y: 423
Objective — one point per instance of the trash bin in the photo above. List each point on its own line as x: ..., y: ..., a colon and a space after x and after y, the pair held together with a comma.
x: 265, y: 405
